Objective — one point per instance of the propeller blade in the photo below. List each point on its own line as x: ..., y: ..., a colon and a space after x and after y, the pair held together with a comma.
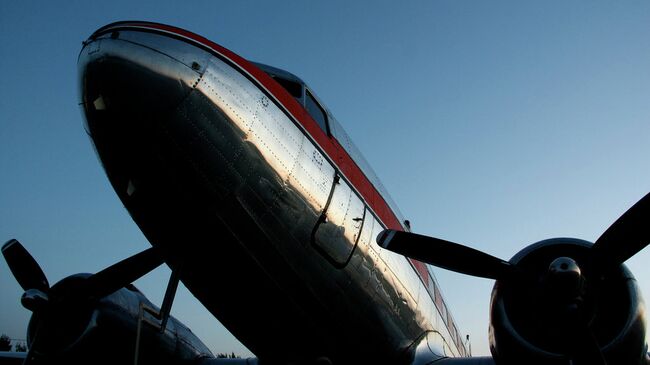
x: 26, y: 270
x: 445, y: 254
x: 122, y: 273
x: 627, y: 236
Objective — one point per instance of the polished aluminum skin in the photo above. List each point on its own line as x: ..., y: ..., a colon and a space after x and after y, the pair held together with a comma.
x: 252, y: 156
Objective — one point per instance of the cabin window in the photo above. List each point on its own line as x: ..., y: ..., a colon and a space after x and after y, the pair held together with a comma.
x: 294, y: 88
x: 316, y: 111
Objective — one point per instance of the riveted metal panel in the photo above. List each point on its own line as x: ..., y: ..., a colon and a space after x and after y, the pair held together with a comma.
x: 312, y: 176
x: 180, y: 51
x: 232, y: 93
x: 286, y: 180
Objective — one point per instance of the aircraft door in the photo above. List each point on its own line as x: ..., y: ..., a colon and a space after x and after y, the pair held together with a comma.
x: 337, y: 231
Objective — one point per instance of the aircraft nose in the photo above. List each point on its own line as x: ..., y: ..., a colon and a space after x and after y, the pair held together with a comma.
x: 131, y: 77
x: 130, y: 83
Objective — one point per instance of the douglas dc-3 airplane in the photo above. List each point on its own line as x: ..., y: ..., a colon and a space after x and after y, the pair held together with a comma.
x: 253, y: 194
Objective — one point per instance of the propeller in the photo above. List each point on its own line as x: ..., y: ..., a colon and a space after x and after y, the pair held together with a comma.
x: 25, y: 269
x: 622, y: 240
x: 46, y: 302
x: 448, y: 255
x: 627, y: 236
x: 122, y: 273
x: 31, y: 278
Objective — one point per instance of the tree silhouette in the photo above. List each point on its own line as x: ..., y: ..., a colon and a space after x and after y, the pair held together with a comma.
x: 20, y: 347
x: 5, y: 343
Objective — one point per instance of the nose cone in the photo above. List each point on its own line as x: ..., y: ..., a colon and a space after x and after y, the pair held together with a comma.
x: 130, y: 82
x: 129, y: 78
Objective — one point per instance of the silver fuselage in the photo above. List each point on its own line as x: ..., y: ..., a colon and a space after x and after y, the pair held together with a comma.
x: 233, y: 179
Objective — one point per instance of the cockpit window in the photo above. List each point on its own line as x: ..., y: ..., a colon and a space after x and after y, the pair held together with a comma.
x: 293, y: 88
x: 316, y: 112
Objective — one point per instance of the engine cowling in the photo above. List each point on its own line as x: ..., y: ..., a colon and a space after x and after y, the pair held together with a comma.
x: 559, y: 301
x: 534, y: 320
x: 104, y: 331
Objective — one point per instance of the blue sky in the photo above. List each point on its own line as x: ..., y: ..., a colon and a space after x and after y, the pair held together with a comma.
x: 495, y: 124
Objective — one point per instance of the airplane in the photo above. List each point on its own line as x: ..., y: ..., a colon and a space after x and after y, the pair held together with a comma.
x: 250, y: 190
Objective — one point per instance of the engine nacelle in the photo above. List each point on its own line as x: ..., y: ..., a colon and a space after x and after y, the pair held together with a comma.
x: 104, y: 331
x: 530, y: 325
